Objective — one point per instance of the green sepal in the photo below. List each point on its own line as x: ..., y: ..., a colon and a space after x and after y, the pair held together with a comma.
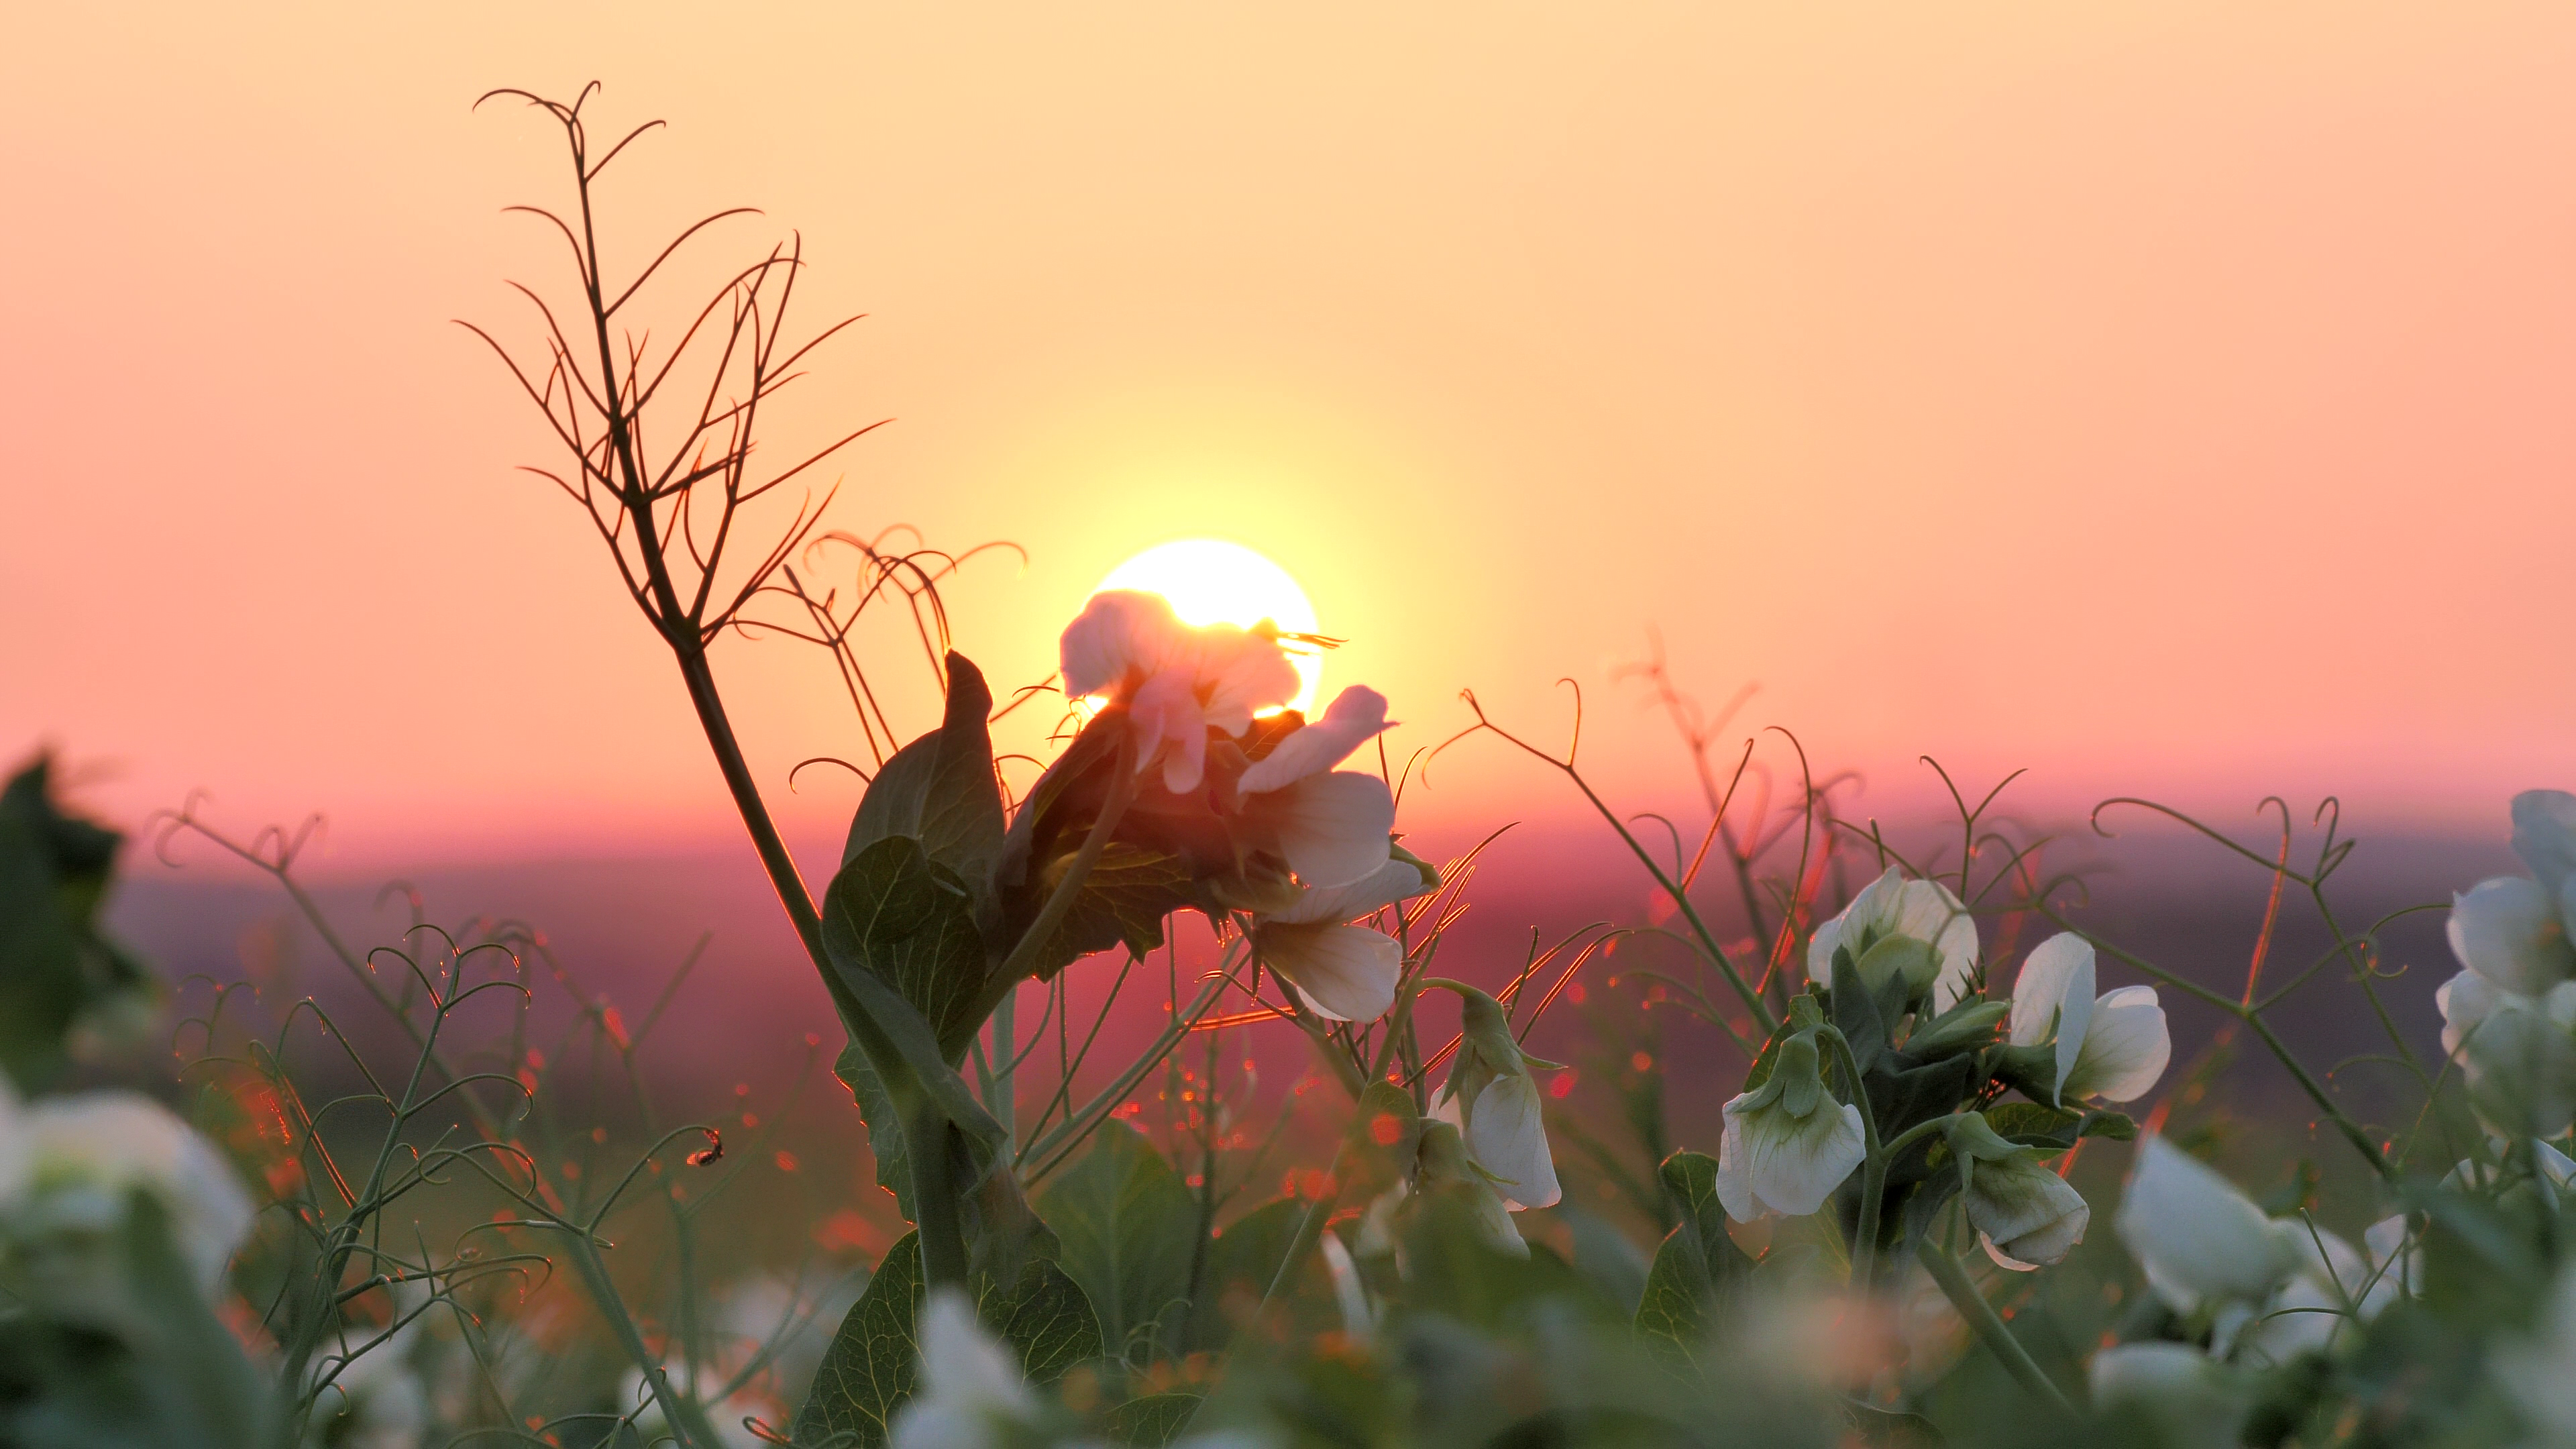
x: 1900, y: 960
x: 1963, y: 1028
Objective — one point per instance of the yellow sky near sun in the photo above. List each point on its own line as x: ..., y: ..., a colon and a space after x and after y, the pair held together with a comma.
x: 2170, y: 397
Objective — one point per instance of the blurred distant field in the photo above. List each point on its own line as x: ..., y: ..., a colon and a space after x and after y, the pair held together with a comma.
x: 739, y: 1021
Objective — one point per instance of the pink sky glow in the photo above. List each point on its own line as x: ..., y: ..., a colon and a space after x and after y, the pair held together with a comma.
x: 2174, y: 398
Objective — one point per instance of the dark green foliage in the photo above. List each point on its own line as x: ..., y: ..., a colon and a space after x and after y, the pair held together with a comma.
x: 134, y: 1358
x: 940, y: 789
x: 895, y: 912
x: 1457, y: 1273
x: 1128, y: 1231
x: 1699, y: 1271
x: 1243, y: 1260
x: 874, y: 1363
x: 1123, y: 903
x: 55, y: 963
x: 1153, y: 1420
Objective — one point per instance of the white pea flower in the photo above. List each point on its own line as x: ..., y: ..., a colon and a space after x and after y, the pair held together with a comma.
x: 2539, y: 1371
x: 2330, y: 1284
x: 971, y: 1392
x: 1176, y: 681
x: 2509, y: 931
x: 2510, y: 1015
x: 1493, y: 1100
x: 2192, y: 1397
x: 2024, y: 1213
x: 1359, y: 1320
x: 2465, y: 1000
x: 2544, y: 835
x: 2399, y: 1264
x: 1330, y: 826
x: 2518, y: 1056
x: 374, y: 1401
x: 1788, y: 1143
x: 1356, y: 716
x: 2275, y: 1288
x: 84, y: 1154
x: 2113, y: 1046
x: 17, y: 1152
x: 1341, y: 971
x: 2198, y: 1240
x: 2469, y: 1175
x: 1892, y: 907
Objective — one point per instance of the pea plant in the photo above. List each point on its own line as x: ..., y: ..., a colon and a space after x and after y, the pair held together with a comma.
x: 451, y: 1201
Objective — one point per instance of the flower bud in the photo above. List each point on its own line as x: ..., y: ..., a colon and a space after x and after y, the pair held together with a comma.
x: 1788, y: 1144
x: 1964, y: 1028
x: 1444, y: 1172
x: 2025, y: 1214
x: 1494, y: 1102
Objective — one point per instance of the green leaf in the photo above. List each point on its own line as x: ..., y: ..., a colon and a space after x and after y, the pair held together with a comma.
x: 940, y: 789
x: 1243, y: 1260
x: 903, y: 1041
x: 1963, y: 1028
x: 1769, y: 1056
x: 1902, y: 1094
x: 874, y: 1362
x: 1129, y: 891
x: 896, y: 913
x: 1122, y: 903
x: 1699, y: 1270
x: 2054, y: 1129
x: 2115, y: 1125
x: 1129, y: 1231
x: 1153, y: 1420
x: 40, y: 975
x: 884, y: 1117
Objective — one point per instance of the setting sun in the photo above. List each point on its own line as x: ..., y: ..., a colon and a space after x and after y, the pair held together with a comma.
x: 1210, y: 581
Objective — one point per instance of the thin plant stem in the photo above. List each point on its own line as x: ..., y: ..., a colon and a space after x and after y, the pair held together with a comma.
x: 1873, y: 1170
x: 1980, y: 1314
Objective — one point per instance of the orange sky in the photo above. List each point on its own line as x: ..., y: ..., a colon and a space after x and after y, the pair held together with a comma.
x: 2173, y: 397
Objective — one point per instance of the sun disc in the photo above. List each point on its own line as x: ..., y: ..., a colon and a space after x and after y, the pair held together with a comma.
x: 1210, y: 581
